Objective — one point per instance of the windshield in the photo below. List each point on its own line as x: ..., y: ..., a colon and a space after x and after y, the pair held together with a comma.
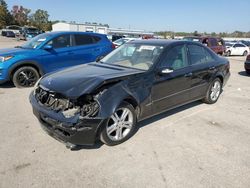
x: 137, y: 56
x: 32, y: 30
x: 120, y: 41
x: 36, y: 41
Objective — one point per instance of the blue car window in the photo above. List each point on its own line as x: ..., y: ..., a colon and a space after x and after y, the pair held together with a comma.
x: 83, y: 40
x: 60, y: 42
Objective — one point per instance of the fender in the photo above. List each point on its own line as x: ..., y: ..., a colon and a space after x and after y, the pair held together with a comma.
x: 26, y: 63
x: 114, y: 96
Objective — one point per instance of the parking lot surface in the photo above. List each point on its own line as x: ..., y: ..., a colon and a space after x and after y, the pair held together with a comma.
x: 197, y: 145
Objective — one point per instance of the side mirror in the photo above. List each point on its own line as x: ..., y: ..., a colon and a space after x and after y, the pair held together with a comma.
x: 48, y: 47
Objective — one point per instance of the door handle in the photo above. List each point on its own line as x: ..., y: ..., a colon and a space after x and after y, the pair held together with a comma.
x: 71, y: 53
x: 189, y: 74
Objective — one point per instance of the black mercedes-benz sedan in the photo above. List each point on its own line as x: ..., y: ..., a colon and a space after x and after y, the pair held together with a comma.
x: 105, y: 99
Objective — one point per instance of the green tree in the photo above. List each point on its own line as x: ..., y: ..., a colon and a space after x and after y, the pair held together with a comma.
x: 213, y: 34
x: 40, y: 19
x: 195, y: 33
x: 5, y: 16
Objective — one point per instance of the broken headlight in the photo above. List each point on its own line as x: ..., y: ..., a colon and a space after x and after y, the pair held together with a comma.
x: 85, y: 106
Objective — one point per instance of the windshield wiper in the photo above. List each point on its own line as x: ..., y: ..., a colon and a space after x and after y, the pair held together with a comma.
x: 18, y: 47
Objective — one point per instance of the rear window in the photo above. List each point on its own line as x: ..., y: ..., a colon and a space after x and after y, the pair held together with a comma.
x: 213, y: 42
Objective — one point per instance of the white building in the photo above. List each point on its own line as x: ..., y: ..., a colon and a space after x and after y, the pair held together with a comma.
x: 61, y: 26
x: 97, y: 28
x: 130, y: 32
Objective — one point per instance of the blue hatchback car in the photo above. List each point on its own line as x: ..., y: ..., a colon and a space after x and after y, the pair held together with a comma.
x: 24, y: 65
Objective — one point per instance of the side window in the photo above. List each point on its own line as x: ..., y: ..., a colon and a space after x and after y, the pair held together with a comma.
x: 83, y: 40
x: 199, y: 55
x: 60, y: 42
x: 96, y: 39
x: 175, y: 58
x: 242, y: 46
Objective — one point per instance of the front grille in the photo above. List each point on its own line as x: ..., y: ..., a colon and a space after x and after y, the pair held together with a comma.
x: 52, y: 100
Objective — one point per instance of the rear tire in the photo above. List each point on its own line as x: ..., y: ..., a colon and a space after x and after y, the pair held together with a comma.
x: 213, y: 92
x: 120, y: 126
x: 25, y: 77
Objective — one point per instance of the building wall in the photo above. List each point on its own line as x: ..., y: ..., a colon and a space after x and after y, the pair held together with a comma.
x: 61, y: 27
x: 79, y: 27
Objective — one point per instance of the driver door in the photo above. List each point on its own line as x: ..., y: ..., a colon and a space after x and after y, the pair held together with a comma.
x: 173, y: 88
x: 61, y: 54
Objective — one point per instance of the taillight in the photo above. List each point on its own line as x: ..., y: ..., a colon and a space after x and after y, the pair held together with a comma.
x: 248, y: 57
x: 113, y: 46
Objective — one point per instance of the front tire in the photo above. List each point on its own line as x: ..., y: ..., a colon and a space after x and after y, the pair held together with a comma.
x: 245, y: 53
x: 120, y: 126
x: 228, y: 53
x: 25, y: 76
x: 213, y: 92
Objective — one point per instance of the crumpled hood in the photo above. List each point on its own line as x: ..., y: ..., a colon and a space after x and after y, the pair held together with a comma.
x: 14, y: 51
x: 78, y: 80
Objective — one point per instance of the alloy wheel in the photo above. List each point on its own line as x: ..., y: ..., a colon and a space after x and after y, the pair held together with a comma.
x: 26, y: 78
x: 119, y: 124
x: 215, y: 90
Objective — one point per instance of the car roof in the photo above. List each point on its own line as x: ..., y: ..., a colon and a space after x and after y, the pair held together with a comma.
x: 73, y: 32
x: 202, y: 37
x: 161, y: 42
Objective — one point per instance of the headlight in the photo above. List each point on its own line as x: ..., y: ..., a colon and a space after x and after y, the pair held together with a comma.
x: 5, y: 58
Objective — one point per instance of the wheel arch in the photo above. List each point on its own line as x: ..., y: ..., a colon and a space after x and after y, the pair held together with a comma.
x: 128, y: 99
x: 108, y: 108
x: 20, y: 64
x: 220, y: 77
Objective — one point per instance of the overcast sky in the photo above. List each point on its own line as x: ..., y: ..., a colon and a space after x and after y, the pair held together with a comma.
x: 155, y: 15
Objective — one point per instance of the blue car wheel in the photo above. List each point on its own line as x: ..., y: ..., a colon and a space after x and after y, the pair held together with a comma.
x: 25, y: 77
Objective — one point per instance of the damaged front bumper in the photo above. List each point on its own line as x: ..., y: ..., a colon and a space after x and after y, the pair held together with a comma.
x: 74, y: 130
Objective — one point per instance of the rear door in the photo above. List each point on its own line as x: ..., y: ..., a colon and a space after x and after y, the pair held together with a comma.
x: 170, y: 90
x: 240, y: 49
x: 203, y: 66
x: 86, y: 48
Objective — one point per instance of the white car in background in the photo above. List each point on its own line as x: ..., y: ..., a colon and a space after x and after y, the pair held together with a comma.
x: 236, y: 49
x: 122, y: 41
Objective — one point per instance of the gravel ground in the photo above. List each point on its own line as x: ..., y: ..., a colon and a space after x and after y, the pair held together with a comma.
x: 197, y: 145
